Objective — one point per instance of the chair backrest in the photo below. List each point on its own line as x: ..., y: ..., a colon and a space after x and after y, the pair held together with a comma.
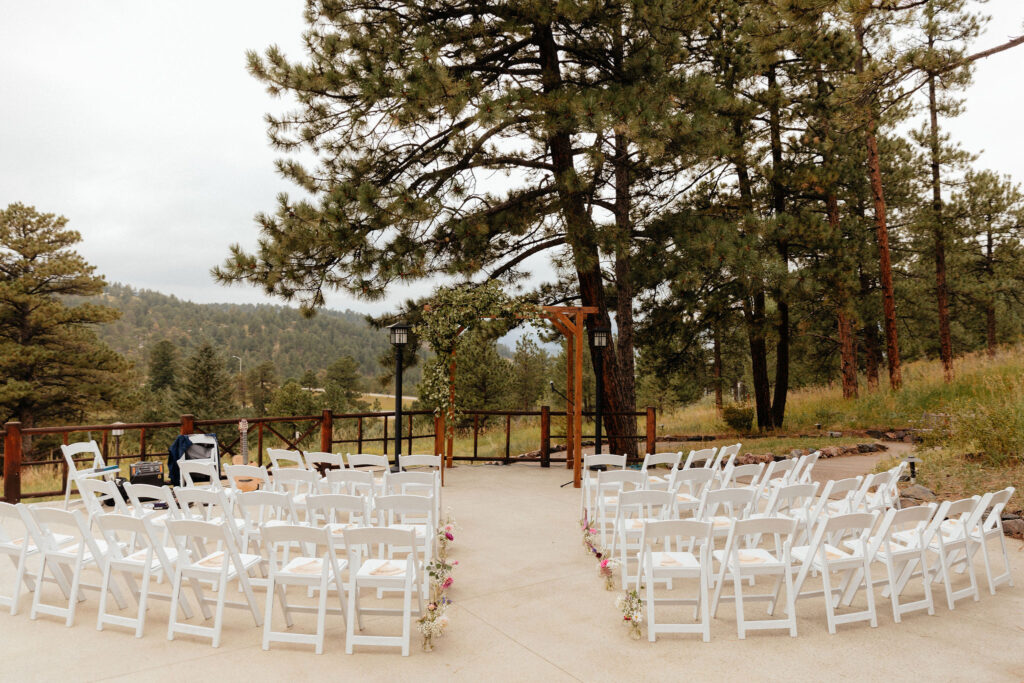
x: 654, y: 459
x: 399, y: 509
x: 415, y: 483
x: 191, y: 533
x: 259, y: 507
x: 202, y: 504
x: 780, y: 529
x: 736, y: 503
x: 206, y: 469
x: 374, y: 542
x: 296, y: 481
x: 280, y: 457
x: 620, y: 478
x: 69, y: 451
x: 783, y: 470
x: 807, y: 471
x: 839, y: 490
x: 162, y: 494
x: 645, y: 503
x: 682, y: 532
x: 115, y: 528
x: 726, y: 456
x: 351, y: 482
x: 95, y: 492
x: 238, y: 474
x: 419, y: 461
x: 707, y: 455
x: 203, y: 448
x: 743, y: 475
x: 319, y: 461
x: 695, y: 481
x: 70, y: 522
x: 607, y: 460
x: 280, y: 539
x: 894, y: 520
x: 10, y: 518
x: 328, y: 508
x: 994, y: 519
x: 367, y: 460
x: 790, y: 497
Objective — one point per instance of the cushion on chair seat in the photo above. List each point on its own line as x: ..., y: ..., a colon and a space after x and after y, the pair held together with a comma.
x: 674, y: 560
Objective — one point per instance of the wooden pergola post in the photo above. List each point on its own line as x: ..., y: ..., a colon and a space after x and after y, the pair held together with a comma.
x: 577, y: 469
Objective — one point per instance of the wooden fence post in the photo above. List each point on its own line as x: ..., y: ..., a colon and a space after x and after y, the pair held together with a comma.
x: 188, y: 424
x: 545, y: 436
x: 652, y: 429
x: 12, y: 463
x: 326, y: 431
x: 439, y: 442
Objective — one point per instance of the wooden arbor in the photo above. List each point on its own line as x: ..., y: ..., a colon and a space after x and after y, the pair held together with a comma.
x: 569, y: 321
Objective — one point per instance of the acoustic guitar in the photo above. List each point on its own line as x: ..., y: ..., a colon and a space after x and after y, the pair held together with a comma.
x: 244, y: 484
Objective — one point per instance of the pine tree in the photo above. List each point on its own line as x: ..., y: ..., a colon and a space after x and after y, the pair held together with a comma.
x: 343, y: 386
x: 483, y: 379
x: 163, y: 365
x: 262, y: 382
x: 529, y: 373
x: 51, y: 364
x: 206, y: 388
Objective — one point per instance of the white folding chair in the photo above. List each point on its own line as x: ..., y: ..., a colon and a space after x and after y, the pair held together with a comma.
x: 610, y: 484
x: 352, y: 483
x: 96, y: 493
x: 261, y: 509
x: 954, y: 547
x: 152, y: 558
x: 855, y: 565
x: 726, y: 456
x: 738, y: 563
x: 593, y: 465
x: 778, y: 473
x: 337, y: 512
x: 321, y: 571
x: 209, y: 505
x: 75, y: 475
x: 901, y: 555
x: 199, y: 474
x: 746, y: 476
x: 381, y: 572
x: 991, y: 527
x: 667, y: 564
x: 722, y: 506
x: 793, y: 501
x: 17, y: 543
x: 807, y: 471
x: 425, y: 463
x: 62, y: 557
x: 247, y: 474
x: 321, y: 462
x: 706, y: 457
x: 634, y: 510
x: 411, y: 513
x: 297, y: 483
x: 369, y: 462
x: 280, y: 457
x: 689, y: 486
x: 195, y: 564
x: 651, y: 471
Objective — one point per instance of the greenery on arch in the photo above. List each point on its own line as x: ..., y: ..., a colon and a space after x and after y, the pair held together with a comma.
x: 453, y: 309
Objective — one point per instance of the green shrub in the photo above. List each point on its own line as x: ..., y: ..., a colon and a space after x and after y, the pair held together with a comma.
x: 738, y: 417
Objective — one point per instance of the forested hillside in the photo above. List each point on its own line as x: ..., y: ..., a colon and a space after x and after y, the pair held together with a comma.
x: 255, y: 333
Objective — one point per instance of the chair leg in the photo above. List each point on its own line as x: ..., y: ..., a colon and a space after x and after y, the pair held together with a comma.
x: 353, y: 607
x: 830, y: 612
x: 321, y: 612
x: 870, y: 591
x: 737, y: 583
x: 175, y: 599
x: 75, y: 589
x: 104, y: 586
x: 22, y: 577
x: 218, y: 618
x: 651, y: 635
x: 143, y: 595
x: 268, y: 614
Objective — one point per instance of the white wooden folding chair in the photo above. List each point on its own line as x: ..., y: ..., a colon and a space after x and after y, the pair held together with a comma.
x: 610, y: 484
x: 901, y: 555
x: 778, y: 473
x: 738, y: 563
x: 75, y: 475
x: 371, y: 564
x: 410, y: 513
x: 593, y: 465
x: 425, y: 463
x: 337, y: 512
x: 280, y: 458
x: 747, y: 476
x: 954, y: 547
x: 793, y: 501
x: 199, y: 474
x: 991, y: 527
x: 722, y: 506
x: 726, y: 456
x: 62, y: 558
x: 705, y: 456
x: 634, y: 510
x: 299, y: 484
x: 854, y: 564
x: 352, y: 483
x: 320, y: 570
x: 369, y: 462
x: 97, y: 493
x: 689, y: 486
x: 851, y: 500
x: 667, y: 564
x: 418, y: 483
x: 807, y: 471
x: 658, y: 468
x: 196, y: 564
x: 17, y: 543
x: 322, y: 462
x: 239, y: 474
x: 209, y: 505
x: 152, y: 558
x: 263, y: 509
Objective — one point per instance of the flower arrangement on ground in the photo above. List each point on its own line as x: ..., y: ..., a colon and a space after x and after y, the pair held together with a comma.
x: 605, y: 563
x: 632, y: 608
x: 446, y: 535
x: 434, y: 622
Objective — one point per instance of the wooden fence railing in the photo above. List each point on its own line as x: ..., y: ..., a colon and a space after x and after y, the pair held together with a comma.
x: 361, y: 430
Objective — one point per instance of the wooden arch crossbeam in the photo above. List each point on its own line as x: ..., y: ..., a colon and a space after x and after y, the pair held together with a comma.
x: 569, y: 320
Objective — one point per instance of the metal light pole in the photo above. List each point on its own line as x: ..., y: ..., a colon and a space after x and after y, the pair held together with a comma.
x: 241, y: 381
x: 117, y: 433
x: 599, y: 340
x: 399, y: 334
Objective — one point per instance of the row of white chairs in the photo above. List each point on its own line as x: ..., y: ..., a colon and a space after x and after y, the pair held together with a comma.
x: 926, y: 542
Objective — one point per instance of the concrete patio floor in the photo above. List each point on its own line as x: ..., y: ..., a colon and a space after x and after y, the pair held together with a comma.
x: 530, y: 606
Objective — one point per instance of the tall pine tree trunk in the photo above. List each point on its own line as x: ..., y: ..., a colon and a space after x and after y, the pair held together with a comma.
x: 990, y: 305
x: 881, y: 231
x: 581, y: 237
x: 779, y: 209
x: 718, y: 367
x: 847, y: 349
x: 941, y: 290
x: 872, y: 345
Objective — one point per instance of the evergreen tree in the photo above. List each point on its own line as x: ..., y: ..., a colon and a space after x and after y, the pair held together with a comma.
x: 343, y: 386
x: 51, y: 364
x: 309, y: 380
x: 529, y: 373
x: 483, y: 379
x: 163, y: 365
x: 262, y: 382
x: 207, y: 388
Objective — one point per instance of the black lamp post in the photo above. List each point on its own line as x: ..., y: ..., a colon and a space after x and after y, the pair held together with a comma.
x: 599, y: 337
x: 399, y: 335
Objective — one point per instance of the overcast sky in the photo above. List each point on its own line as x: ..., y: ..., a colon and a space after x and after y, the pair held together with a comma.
x: 138, y: 121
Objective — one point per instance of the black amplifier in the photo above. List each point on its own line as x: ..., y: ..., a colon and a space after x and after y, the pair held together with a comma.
x: 147, y: 473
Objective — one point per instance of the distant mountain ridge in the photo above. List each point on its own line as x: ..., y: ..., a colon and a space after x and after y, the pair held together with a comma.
x: 254, y: 332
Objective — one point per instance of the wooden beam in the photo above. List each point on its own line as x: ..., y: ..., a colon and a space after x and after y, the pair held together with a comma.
x: 577, y: 470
